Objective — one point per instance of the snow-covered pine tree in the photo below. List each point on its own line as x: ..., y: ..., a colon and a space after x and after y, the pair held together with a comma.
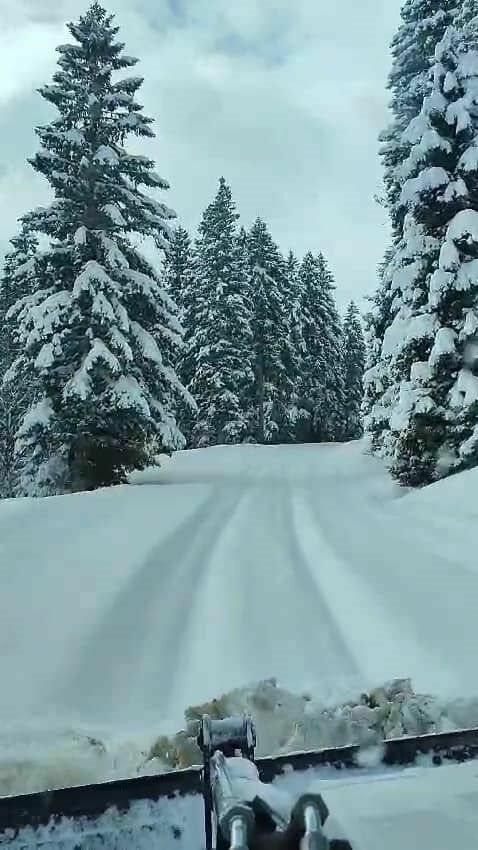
x: 180, y: 268
x: 218, y: 328
x: 322, y: 380
x: 422, y: 27
x: 16, y: 391
x: 354, y: 364
x: 377, y: 382
x: 100, y: 332
x: 437, y: 414
x: 273, y: 357
x: 181, y: 283
x: 296, y: 415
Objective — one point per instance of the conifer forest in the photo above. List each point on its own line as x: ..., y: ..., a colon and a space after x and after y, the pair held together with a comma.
x: 125, y: 337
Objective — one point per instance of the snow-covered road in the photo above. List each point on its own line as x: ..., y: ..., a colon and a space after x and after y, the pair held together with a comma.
x: 120, y: 608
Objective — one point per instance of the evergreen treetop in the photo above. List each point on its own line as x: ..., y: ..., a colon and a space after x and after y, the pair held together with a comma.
x: 218, y: 327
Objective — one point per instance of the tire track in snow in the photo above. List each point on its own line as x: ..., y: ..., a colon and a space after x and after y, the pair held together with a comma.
x: 337, y: 664
x: 138, y: 643
x: 377, y: 595
x: 233, y: 629
x: 172, y: 640
x: 260, y: 613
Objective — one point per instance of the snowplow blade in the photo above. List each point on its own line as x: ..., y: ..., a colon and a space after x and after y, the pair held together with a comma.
x: 117, y: 814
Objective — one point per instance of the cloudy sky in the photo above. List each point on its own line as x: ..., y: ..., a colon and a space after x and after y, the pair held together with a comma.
x: 285, y: 98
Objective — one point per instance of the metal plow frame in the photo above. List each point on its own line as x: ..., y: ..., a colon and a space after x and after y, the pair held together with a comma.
x: 89, y: 802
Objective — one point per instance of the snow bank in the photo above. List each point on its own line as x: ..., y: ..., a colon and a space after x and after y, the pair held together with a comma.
x: 285, y: 723
x: 454, y: 498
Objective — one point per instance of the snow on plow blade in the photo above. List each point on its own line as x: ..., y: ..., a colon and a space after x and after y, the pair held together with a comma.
x: 121, y: 813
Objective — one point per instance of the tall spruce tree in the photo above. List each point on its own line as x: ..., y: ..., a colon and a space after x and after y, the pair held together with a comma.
x: 218, y: 328
x: 181, y: 282
x: 273, y: 355
x: 423, y: 24
x: 354, y: 364
x: 437, y: 414
x: 16, y: 389
x: 297, y: 414
x: 322, y: 368
x: 180, y: 268
x: 377, y: 381
x: 100, y: 332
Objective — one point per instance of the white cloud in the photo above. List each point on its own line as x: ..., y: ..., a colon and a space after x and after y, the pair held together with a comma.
x: 28, y: 57
x: 285, y: 98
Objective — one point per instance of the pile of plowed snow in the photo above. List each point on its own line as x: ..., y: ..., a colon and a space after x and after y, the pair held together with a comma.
x: 285, y: 723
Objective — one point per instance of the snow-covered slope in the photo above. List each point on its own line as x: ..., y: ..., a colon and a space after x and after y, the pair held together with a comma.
x: 120, y: 608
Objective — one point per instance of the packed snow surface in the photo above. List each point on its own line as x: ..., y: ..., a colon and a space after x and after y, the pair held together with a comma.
x: 226, y: 566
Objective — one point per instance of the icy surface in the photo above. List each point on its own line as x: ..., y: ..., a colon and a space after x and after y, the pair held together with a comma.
x: 229, y: 565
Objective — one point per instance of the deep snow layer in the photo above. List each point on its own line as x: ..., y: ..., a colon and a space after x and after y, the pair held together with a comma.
x: 229, y: 565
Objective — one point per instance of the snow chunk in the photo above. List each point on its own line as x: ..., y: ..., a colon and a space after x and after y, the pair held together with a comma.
x: 430, y: 179
x: 406, y: 276
x: 430, y: 141
x: 46, y: 357
x: 107, y: 155
x: 468, y: 161
x: 456, y: 189
x: 418, y: 126
x: 102, y: 308
x: 470, y: 445
x: 147, y: 343
x: 75, y: 136
x: 121, y: 344
x: 471, y: 325
x: 449, y: 257
x: 114, y: 255
x: 38, y: 416
x: 46, y: 315
x: 405, y: 329
x: 80, y: 236
x: 440, y: 282
x: 411, y: 400
x: 121, y: 314
x: 80, y: 384
x: 458, y: 114
x: 420, y: 372
x: 445, y: 343
x: 114, y: 214
x: 468, y: 64
x: 464, y: 226
x: 467, y: 276
x: 465, y: 390
x: 99, y: 351
x: 129, y: 395
x: 92, y: 274
x: 450, y: 82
